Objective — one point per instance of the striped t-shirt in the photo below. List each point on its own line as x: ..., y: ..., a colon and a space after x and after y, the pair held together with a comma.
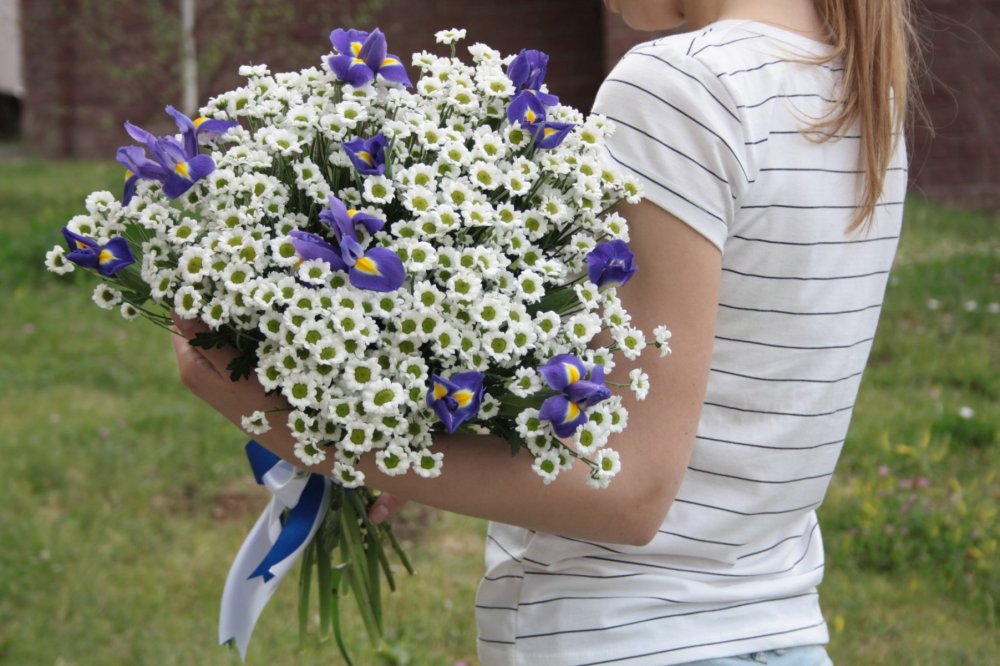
x: 712, y: 123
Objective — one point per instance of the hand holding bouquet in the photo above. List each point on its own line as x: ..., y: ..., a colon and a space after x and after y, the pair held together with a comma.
x: 393, y: 260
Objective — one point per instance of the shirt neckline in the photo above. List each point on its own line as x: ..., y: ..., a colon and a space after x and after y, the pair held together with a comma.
x: 778, y: 33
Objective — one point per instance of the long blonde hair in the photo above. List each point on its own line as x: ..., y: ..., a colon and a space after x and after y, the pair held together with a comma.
x: 876, y: 40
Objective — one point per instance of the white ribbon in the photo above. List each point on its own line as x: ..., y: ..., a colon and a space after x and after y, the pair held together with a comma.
x: 246, y: 594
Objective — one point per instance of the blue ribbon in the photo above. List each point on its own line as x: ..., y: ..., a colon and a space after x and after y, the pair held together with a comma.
x: 293, y: 516
x: 298, y: 522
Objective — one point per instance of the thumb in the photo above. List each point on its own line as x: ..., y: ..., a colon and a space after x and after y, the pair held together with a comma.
x: 385, y: 505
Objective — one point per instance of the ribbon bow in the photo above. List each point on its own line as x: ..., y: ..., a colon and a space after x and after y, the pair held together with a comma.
x: 274, y: 544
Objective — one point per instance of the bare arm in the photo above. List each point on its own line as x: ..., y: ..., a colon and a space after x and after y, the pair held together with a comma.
x: 677, y: 284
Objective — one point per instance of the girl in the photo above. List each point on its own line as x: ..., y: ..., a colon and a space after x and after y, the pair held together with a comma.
x: 768, y: 141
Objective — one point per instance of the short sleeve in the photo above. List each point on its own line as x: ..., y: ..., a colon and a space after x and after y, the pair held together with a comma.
x: 679, y: 131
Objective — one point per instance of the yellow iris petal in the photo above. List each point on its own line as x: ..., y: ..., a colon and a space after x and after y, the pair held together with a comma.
x: 182, y: 170
x: 572, y: 373
x: 530, y: 115
x: 128, y: 174
x: 105, y: 256
x: 549, y: 132
x: 366, y: 265
x: 463, y: 397
x: 199, y: 120
x: 80, y: 245
x: 355, y: 48
x: 389, y: 61
x: 572, y: 412
x: 365, y: 157
x: 351, y: 212
x: 439, y: 391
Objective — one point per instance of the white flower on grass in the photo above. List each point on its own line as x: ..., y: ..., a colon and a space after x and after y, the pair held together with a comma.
x: 128, y: 312
x: 55, y: 261
x: 427, y: 464
x: 105, y: 297
x: 547, y: 465
x: 256, y: 423
x: 662, y: 335
x: 639, y: 383
x: 966, y: 412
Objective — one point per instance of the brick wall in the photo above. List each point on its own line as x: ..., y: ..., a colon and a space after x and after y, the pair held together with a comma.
x: 959, y: 164
x: 93, y: 64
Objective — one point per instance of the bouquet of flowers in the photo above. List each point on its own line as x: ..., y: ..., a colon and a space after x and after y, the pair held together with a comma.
x: 395, y: 260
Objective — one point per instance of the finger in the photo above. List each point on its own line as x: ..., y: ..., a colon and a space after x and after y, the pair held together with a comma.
x: 218, y: 357
x: 385, y: 506
x: 188, y: 327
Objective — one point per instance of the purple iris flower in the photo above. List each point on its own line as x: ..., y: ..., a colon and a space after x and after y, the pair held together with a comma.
x: 312, y: 246
x: 368, y: 155
x: 343, y: 221
x: 527, y: 72
x: 457, y: 400
x: 377, y: 269
x: 611, y: 263
x: 528, y: 110
x: 565, y: 373
x: 176, y: 165
x: 108, y: 259
x: 193, y: 130
x: 361, y: 56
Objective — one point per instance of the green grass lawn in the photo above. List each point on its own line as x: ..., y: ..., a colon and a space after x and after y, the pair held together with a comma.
x: 124, y: 499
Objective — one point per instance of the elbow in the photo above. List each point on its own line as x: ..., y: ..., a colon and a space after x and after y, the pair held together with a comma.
x: 643, y: 517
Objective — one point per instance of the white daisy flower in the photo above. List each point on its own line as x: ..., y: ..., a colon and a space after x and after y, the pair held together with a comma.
x: 547, y: 465
x: 106, y: 297
x: 427, y: 464
x: 525, y: 382
x: 55, y: 261
x: 393, y: 460
x: 639, y: 383
x: 662, y: 335
x: 255, y: 423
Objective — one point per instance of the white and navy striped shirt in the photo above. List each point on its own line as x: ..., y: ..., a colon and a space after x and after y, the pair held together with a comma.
x: 711, y: 122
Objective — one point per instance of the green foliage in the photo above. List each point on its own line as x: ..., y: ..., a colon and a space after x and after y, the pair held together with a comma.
x: 125, y: 499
